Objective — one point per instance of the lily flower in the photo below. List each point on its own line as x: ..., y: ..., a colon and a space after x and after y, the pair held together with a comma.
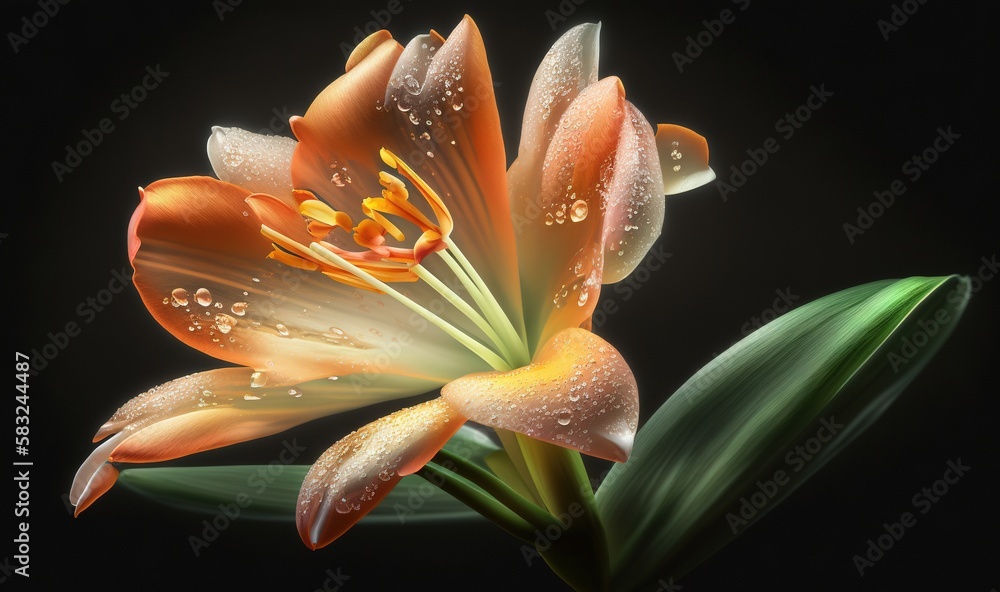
x: 459, y: 274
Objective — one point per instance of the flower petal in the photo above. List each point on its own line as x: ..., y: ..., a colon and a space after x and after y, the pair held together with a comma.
x: 217, y: 408
x: 94, y: 477
x: 634, y: 205
x: 560, y: 240
x: 434, y: 108
x: 202, y: 272
x: 568, y: 68
x: 578, y: 393
x: 258, y: 163
x: 353, y: 476
x: 683, y: 158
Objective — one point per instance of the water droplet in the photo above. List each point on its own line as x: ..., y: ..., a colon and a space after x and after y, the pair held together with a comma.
x: 258, y: 379
x: 251, y: 398
x: 578, y: 212
x: 166, y: 300
x: 385, y: 474
x: 414, y: 118
x: 282, y: 330
x: 342, y: 506
x: 179, y: 297
x: 245, y: 213
x: 582, y: 298
x: 203, y: 297
x: 411, y: 85
x: 574, y: 396
x: 336, y: 180
x: 677, y: 168
x: 564, y: 417
x: 403, y: 104
x: 457, y: 105
x: 255, y: 280
x: 425, y: 136
x: 239, y: 308
x: 295, y: 393
x: 430, y: 154
x: 676, y: 155
x: 549, y: 219
x: 560, y: 217
x: 225, y: 323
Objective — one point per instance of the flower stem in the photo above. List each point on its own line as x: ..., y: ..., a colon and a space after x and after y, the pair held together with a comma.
x: 470, y: 495
x: 492, y: 485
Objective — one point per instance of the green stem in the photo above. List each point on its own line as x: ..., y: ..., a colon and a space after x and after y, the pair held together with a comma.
x: 470, y: 495
x: 492, y: 485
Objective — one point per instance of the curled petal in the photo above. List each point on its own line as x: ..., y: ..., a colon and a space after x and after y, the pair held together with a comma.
x: 353, y: 476
x: 217, y: 408
x: 577, y: 393
x: 94, y: 477
x: 683, y: 158
x: 560, y: 236
x: 568, y: 68
x: 634, y: 204
x: 258, y: 163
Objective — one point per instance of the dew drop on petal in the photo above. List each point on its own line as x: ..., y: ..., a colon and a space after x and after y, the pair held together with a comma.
x: 225, y: 323
x: 203, y: 297
x: 564, y: 417
x: 579, y: 211
x: 295, y: 393
x: 239, y: 308
x: 282, y: 330
x: 251, y: 398
x: 258, y: 379
x: 549, y: 219
x: 179, y: 297
x: 560, y: 217
x: 583, y: 297
x: 342, y: 506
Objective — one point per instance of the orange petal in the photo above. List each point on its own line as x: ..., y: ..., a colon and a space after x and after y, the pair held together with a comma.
x: 202, y: 270
x: 353, y: 476
x: 460, y: 153
x: 683, y: 158
x: 560, y: 240
x: 578, y: 393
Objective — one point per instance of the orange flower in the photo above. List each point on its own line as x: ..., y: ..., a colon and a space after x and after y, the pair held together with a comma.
x: 265, y: 268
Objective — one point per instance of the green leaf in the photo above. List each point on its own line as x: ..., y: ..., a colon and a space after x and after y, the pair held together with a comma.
x: 725, y: 448
x: 269, y: 492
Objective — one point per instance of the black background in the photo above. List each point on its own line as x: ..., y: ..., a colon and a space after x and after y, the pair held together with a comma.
x: 782, y: 230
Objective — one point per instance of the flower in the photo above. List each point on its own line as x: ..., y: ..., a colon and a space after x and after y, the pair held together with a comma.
x: 264, y: 268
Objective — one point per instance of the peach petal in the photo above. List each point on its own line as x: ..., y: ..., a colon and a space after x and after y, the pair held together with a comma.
x: 94, y: 477
x: 634, y: 205
x: 353, y: 476
x: 683, y: 158
x: 560, y: 242
x: 258, y: 163
x: 578, y: 393
x: 202, y: 271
